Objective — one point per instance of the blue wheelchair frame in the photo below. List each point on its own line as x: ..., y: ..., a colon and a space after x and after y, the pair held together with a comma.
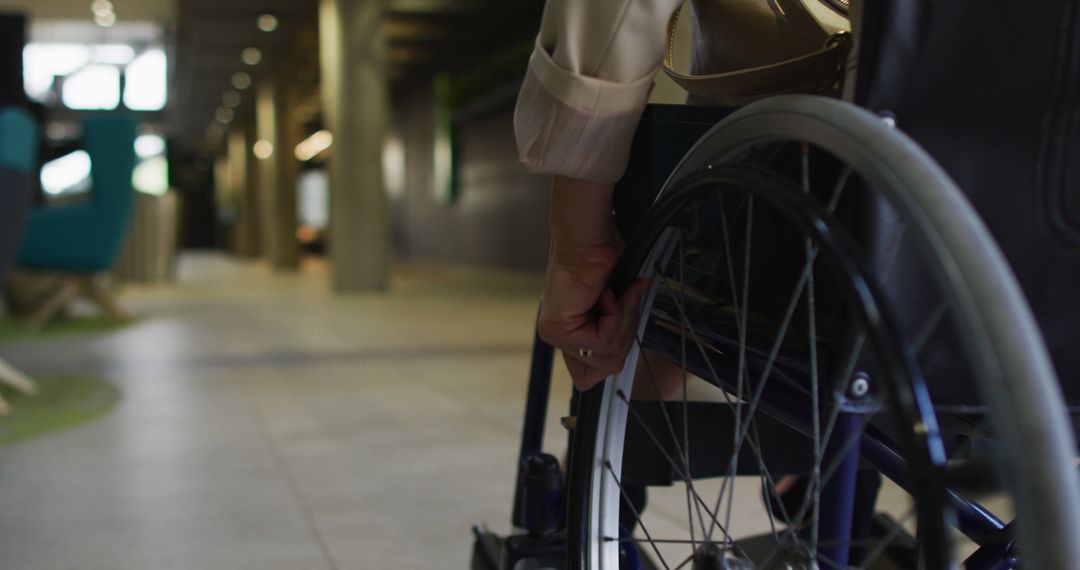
x: 537, y: 510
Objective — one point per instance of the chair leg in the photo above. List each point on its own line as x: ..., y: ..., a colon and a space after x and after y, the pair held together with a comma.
x: 12, y: 377
x: 104, y: 299
x: 5, y: 408
x: 48, y: 309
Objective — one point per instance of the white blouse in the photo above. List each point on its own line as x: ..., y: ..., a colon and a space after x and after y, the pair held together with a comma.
x: 592, y: 69
x: 588, y: 81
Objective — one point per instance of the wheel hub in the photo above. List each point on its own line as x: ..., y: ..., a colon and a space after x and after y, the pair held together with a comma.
x: 711, y: 557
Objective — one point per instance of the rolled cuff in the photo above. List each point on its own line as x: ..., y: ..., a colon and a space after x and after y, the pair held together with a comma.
x: 576, y: 126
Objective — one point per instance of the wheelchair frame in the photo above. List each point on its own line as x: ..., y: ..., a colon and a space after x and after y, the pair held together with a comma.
x: 535, y: 510
x: 996, y: 546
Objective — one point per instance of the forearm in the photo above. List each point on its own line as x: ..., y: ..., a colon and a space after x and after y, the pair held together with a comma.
x: 583, y: 235
x: 580, y: 314
x: 581, y: 212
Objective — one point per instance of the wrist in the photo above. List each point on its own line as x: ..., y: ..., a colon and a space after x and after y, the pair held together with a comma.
x: 581, y: 213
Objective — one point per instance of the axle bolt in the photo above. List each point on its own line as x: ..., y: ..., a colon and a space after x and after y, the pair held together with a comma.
x: 860, y: 386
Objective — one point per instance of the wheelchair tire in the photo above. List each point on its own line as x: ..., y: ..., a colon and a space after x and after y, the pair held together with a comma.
x: 757, y: 158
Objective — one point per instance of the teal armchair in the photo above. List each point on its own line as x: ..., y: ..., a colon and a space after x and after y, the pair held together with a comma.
x: 86, y: 237
x: 74, y: 243
x: 18, y: 158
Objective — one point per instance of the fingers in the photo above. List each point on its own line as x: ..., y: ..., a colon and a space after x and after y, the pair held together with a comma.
x: 611, y: 315
x: 631, y: 299
x: 583, y: 376
x: 631, y: 307
x: 616, y: 330
x: 607, y: 333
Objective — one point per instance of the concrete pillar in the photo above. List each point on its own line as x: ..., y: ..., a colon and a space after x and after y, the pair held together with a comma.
x: 252, y: 198
x: 287, y: 169
x: 355, y: 109
x: 276, y: 177
x: 246, y: 229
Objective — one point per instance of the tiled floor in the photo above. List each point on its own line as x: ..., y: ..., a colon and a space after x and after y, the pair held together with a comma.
x: 267, y: 423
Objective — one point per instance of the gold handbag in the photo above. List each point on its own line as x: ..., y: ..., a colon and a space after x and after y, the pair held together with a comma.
x: 749, y: 49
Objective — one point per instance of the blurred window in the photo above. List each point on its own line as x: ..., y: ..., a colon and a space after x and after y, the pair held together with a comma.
x: 151, y: 175
x: 115, y: 54
x: 145, y: 82
x: 71, y: 63
x: 93, y: 87
x: 148, y: 146
x: 42, y: 63
x: 69, y: 174
x: 313, y: 199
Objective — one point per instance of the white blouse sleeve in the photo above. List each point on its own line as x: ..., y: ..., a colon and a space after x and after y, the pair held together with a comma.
x: 588, y: 81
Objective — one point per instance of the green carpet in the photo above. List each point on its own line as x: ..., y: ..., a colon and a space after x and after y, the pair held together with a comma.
x: 61, y: 402
x: 11, y: 329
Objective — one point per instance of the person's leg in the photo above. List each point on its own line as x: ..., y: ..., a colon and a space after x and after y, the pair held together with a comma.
x: 657, y: 379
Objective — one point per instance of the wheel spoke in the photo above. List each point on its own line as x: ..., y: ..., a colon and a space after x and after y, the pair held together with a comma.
x: 688, y: 328
x: 686, y: 561
x: 928, y: 328
x: 741, y: 310
x: 804, y: 166
x: 654, y: 540
x: 690, y: 505
x: 815, y: 403
x: 774, y: 352
x: 838, y: 189
x: 682, y: 450
x: 888, y: 538
x: 827, y: 475
x: 637, y: 515
x: 683, y: 468
x: 740, y: 380
x: 741, y: 430
x: 678, y: 469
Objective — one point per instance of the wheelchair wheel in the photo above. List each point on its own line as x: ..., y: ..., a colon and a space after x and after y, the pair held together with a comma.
x: 773, y: 251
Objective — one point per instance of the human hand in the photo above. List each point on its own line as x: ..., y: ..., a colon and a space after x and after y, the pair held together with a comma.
x: 580, y: 315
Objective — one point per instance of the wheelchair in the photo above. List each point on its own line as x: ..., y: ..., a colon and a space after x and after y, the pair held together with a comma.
x: 850, y: 329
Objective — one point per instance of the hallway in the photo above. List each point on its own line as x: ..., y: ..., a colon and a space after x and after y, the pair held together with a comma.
x: 267, y: 423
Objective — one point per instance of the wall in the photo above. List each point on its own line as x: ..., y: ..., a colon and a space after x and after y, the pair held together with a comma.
x: 500, y: 216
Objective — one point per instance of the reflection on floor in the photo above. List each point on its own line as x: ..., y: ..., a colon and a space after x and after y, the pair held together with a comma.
x: 267, y: 423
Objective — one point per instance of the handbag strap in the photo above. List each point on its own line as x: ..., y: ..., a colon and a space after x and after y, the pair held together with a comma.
x: 818, y: 68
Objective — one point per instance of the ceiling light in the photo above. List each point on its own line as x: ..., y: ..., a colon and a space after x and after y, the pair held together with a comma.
x: 251, y: 56
x: 241, y: 80
x: 224, y: 114
x: 310, y: 147
x: 263, y: 149
x: 105, y: 20
x: 230, y: 98
x: 267, y: 22
x: 101, y: 7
